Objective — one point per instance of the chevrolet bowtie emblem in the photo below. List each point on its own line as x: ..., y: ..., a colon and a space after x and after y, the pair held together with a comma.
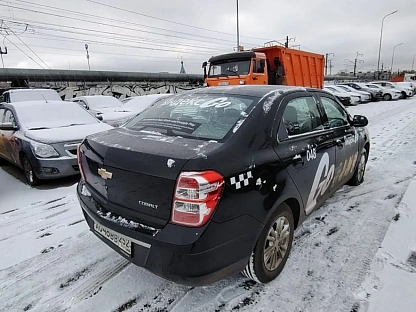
x: 104, y: 174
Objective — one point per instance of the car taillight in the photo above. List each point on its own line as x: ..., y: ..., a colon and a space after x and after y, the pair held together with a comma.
x: 196, y: 197
x: 81, y: 170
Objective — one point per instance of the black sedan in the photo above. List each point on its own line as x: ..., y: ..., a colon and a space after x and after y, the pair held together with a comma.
x: 214, y: 181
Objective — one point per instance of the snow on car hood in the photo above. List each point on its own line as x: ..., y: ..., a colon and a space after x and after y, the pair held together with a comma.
x: 65, y: 134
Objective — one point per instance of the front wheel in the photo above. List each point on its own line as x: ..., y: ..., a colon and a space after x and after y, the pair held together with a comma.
x: 387, y: 97
x: 30, y: 174
x: 358, y: 176
x: 273, y: 247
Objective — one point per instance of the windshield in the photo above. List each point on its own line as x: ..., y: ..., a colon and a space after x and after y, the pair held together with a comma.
x: 344, y: 88
x: 34, y: 95
x: 97, y: 102
x: 140, y: 103
x: 229, y: 68
x: 201, y: 116
x: 53, y: 115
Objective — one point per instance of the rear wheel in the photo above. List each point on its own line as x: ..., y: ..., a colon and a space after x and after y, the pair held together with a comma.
x: 358, y: 176
x: 387, y: 97
x: 30, y: 174
x: 273, y: 247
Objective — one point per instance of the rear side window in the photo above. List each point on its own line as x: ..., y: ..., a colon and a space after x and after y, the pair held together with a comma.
x: 201, y: 116
x: 301, y: 116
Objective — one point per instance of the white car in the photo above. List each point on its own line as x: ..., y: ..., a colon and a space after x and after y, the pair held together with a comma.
x: 343, y: 97
x: 364, y: 96
x: 405, y: 91
x: 101, y: 106
x: 24, y: 95
x: 411, y: 85
x: 340, y: 93
x: 132, y: 107
x: 388, y: 93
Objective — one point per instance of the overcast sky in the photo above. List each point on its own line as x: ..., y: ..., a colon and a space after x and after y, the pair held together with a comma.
x: 153, y: 36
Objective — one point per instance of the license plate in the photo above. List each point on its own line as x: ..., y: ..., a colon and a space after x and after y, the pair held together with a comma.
x: 224, y: 83
x: 121, y: 241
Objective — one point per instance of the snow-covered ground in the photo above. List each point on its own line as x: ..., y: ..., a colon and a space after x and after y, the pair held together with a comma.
x: 49, y: 261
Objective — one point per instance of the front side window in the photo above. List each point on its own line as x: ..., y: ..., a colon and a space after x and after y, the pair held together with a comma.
x: 229, y: 68
x: 258, y: 66
x: 2, y: 110
x: 337, y: 117
x: 9, y: 118
x: 199, y: 116
x: 301, y: 116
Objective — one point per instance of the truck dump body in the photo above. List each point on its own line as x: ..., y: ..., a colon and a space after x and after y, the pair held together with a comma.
x: 301, y: 68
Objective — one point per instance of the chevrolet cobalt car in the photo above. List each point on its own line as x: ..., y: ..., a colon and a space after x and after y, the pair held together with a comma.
x: 214, y: 181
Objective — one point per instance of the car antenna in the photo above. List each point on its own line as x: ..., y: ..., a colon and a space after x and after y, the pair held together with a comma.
x: 44, y: 98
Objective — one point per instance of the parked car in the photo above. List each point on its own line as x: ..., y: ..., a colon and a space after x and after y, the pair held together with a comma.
x: 411, y: 85
x: 388, y: 93
x: 101, y: 106
x: 42, y: 137
x: 376, y: 95
x: 23, y: 95
x: 132, y: 107
x: 405, y: 91
x: 343, y: 96
x: 216, y: 180
x: 365, y: 97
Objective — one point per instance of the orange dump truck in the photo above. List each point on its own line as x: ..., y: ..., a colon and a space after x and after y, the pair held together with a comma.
x: 273, y: 65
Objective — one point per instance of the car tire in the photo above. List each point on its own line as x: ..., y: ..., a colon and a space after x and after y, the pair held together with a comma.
x: 359, y: 172
x: 30, y: 174
x: 279, y: 228
x: 404, y: 95
x: 387, y: 97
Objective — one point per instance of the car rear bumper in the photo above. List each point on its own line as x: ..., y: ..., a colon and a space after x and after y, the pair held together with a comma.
x: 54, y: 168
x: 189, y: 256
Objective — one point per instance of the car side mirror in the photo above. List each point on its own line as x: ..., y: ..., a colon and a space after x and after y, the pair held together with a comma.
x: 204, y: 66
x: 99, y: 117
x: 359, y: 121
x: 8, y: 126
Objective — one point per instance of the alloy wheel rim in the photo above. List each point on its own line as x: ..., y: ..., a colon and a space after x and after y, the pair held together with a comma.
x: 361, y: 167
x: 28, y: 171
x: 277, y: 243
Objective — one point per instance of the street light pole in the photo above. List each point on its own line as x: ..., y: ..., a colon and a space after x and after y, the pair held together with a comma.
x: 238, y: 30
x: 413, y: 63
x: 381, y: 38
x: 392, y: 58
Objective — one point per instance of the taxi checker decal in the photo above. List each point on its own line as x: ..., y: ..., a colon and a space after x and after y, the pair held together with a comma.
x: 241, y: 179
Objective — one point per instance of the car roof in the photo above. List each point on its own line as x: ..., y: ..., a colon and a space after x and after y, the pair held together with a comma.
x: 29, y: 90
x: 92, y: 96
x: 251, y: 90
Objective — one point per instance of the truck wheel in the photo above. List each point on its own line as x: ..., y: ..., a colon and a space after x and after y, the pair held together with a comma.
x: 30, y: 174
x: 273, y: 247
x: 358, y: 176
x: 387, y: 97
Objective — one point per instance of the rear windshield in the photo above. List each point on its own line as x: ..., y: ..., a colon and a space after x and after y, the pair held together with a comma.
x: 200, y: 116
x: 34, y: 95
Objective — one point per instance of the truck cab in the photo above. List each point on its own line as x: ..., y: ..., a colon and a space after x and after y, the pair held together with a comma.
x: 236, y: 68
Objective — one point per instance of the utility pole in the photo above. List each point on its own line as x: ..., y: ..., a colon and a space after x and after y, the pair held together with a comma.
x: 381, y: 38
x: 88, y: 56
x: 238, y: 30
x: 326, y: 62
x: 330, y: 67
x: 413, y: 63
x: 355, y: 62
x: 3, y: 52
x: 288, y: 40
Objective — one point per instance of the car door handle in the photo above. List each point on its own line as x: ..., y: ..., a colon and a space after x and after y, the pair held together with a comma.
x: 339, y: 143
x: 297, y: 161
